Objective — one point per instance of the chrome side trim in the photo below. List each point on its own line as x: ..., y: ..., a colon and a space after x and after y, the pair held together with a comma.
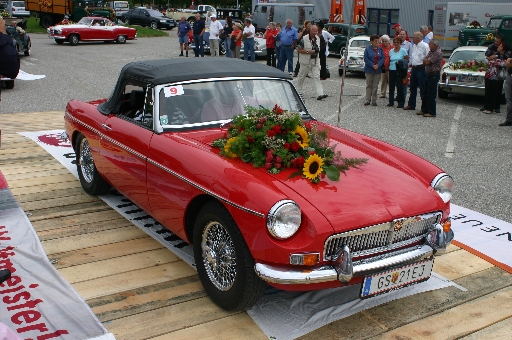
x: 186, y: 180
x: 282, y: 275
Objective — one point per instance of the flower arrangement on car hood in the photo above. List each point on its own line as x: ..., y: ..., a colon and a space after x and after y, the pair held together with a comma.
x: 469, y: 65
x: 277, y: 139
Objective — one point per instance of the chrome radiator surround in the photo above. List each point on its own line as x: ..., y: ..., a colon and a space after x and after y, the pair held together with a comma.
x: 382, y: 237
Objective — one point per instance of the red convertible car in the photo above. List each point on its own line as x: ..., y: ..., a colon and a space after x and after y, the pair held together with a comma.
x: 91, y: 29
x: 156, y: 138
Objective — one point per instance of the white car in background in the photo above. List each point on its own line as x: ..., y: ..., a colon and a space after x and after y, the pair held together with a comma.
x: 355, y: 60
x: 18, y: 10
x: 469, y: 81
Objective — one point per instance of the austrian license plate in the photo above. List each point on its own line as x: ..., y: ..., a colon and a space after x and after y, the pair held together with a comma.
x: 396, y: 278
x: 353, y: 62
x: 466, y: 79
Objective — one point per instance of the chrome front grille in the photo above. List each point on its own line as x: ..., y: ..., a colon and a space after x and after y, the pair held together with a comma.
x: 381, y: 237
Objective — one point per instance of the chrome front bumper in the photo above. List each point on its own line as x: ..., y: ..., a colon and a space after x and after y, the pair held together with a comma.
x: 344, y: 269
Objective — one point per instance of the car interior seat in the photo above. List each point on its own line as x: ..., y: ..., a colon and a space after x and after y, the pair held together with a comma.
x: 136, y: 102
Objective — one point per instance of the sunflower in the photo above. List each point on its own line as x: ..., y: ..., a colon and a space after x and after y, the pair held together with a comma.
x: 227, y: 148
x: 313, y: 167
x: 303, y: 139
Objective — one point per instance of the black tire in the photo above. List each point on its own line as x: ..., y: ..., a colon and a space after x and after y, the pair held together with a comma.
x: 46, y: 21
x: 222, y: 48
x: 442, y: 94
x: 153, y: 25
x: 225, y: 267
x: 59, y: 41
x: 89, y: 177
x: 73, y: 39
x: 9, y: 84
x: 191, y: 20
x: 342, y: 51
x: 127, y: 21
x: 121, y: 39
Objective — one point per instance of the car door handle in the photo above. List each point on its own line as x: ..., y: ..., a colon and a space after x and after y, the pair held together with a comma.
x: 106, y: 127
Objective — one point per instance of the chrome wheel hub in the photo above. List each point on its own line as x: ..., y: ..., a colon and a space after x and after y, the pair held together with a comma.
x: 86, y: 161
x: 219, y: 256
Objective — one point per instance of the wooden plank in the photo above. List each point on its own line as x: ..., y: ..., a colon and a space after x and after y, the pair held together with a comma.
x: 44, y: 179
x: 147, y: 298
x: 33, y: 173
x: 133, y: 279
x: 470, y: 317
x: 59, y: 202
x: 238, y: 326
x: 76, y: 220
x: 44, y: 195
x: 60, y: 245
x: 163, y: 320
x: 71, y: 210
x: 44, y: 187
x: 86, y: 228
x: 374, y: 321
x: 499, y: 330
x: 104, y: 251
x: 449, y: 265
x: 118, y: 265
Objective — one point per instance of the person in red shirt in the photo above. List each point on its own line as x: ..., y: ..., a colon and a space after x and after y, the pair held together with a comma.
x: 269, y: 35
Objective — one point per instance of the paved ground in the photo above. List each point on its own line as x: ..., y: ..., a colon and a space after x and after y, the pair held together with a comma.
x: 466, y: 143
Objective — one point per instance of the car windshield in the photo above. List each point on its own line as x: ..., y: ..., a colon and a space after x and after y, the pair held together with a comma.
x: 155, y: 13
x: 215, y: 102
x: 360, y: 43
x: 494, y: 23
x: 467, y: 55
x: 85, y: 21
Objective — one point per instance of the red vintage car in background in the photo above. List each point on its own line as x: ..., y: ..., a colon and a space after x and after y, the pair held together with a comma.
x: 91, y: 29
x: 155, y: 141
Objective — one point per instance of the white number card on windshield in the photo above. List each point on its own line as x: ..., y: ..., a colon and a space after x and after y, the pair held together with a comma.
x: 172, y: 91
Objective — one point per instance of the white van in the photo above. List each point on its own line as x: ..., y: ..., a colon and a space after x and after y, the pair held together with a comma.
x: 119, y: 7
x: 267, y: 12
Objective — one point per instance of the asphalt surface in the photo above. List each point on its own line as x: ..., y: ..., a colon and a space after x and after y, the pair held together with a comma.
x: 466, y: 143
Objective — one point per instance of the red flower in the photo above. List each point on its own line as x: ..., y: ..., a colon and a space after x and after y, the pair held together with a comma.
x: 308, y: 126
x: 250, y: 139
x: 270, y: 152
x: 277, y: 109
x: 295, y: 146
x: 293, y: 163
x: 300, y: 161
x: 278, y: 165
x: 268, y: 166
x: 277, y: 129
x: 262, y: 120
x: 311, y: 152
x: 278, y: 159
x: 259, y: 126
x: 271, y: 133
x: 241, y: 129
x: 269, y: 158
x: 286, y: 146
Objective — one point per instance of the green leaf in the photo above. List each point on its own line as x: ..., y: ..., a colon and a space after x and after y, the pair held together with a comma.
x: 295, y: 174
x: 332, y: 173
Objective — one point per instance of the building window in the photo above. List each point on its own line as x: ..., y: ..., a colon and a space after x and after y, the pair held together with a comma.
x: 381, y: 20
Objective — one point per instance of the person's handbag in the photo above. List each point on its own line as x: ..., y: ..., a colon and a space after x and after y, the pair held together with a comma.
x: 222, y: 36
x: 502, y: 73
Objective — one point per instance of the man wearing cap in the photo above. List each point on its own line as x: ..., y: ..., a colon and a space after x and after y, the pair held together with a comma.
x: 215, y: 30
x: 397, y: 29
x: 248, y: 36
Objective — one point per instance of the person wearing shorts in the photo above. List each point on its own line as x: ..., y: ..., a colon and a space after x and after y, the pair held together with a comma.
x: 183, y: 29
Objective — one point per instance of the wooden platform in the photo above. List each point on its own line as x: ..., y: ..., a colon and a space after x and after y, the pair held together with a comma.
x: 140, y: 290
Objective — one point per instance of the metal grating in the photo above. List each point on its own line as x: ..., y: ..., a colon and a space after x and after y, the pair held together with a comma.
x: 381, y: 237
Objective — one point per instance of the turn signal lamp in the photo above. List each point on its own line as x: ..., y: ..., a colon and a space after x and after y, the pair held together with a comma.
x: 309, y: 259
x: 447, y: 226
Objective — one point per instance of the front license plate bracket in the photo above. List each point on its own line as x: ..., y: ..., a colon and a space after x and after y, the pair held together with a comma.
x: 396, y: 278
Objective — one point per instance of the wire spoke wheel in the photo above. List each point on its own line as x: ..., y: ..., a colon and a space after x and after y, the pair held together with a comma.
x: 219, y: 256
x: 86, y: 161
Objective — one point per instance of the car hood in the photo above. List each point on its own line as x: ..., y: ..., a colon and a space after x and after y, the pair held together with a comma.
x: 379, y: 191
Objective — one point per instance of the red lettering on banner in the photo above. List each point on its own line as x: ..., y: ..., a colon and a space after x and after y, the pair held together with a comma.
x: 16, y: 298
x: 41, y: 327
x: 52, y: 335
x: 28, y: 315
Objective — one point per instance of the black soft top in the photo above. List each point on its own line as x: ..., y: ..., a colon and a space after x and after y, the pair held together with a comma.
x: 164, y: 71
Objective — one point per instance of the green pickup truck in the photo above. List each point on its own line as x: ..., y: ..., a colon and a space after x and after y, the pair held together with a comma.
x: 480, y: 36
x: 339, y: 31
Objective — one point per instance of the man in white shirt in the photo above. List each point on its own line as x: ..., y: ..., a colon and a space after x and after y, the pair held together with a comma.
x: 248, y: 38
x: 215, y: 30
x: 418, y: 73
x: 406, y: 45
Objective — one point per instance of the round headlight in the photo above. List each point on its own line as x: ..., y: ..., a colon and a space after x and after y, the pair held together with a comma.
x: 443, y: 185
x: 284, y: 219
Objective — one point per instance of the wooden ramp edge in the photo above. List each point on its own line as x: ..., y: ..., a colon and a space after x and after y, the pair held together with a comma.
x: 140, y: 290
